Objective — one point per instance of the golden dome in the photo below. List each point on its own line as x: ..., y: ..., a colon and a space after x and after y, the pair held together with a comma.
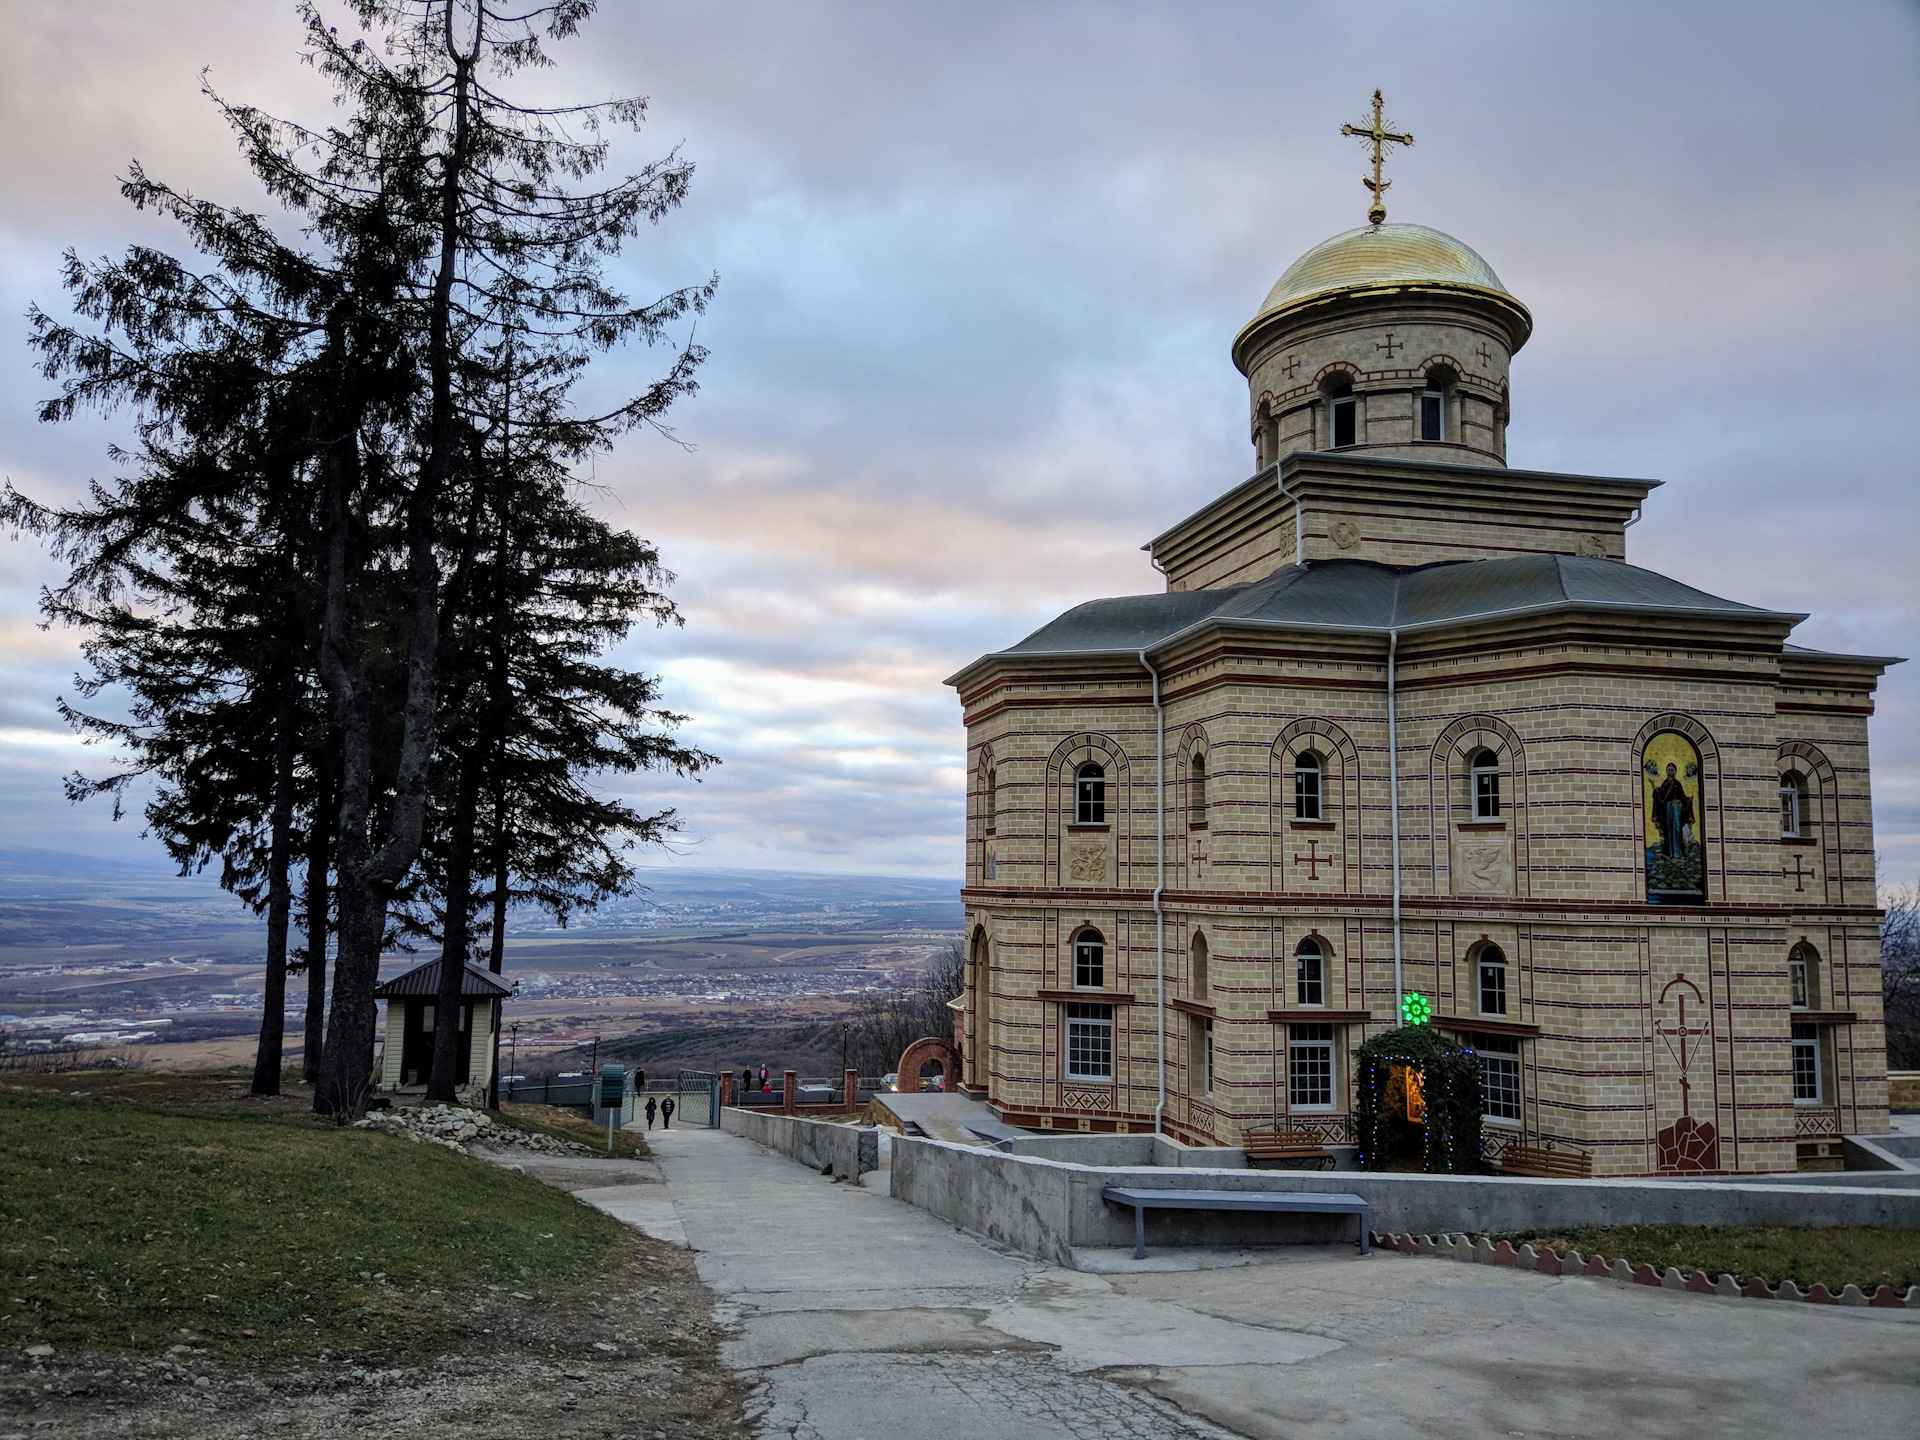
x: 1384, y: 258
x: 1381, y: 255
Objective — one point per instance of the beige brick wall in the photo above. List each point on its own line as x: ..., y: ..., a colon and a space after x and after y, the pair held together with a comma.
x: 1588, y: 958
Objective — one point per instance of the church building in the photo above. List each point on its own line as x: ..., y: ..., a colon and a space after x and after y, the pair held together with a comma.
x: 1407, y: 733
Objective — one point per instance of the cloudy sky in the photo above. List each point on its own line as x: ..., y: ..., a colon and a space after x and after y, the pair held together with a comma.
x: 981, y: 264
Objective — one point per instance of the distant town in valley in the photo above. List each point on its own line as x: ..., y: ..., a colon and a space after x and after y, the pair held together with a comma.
x: 704, y: 967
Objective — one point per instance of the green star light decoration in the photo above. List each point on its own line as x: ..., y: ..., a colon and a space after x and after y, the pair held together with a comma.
x: 1415, y: 1009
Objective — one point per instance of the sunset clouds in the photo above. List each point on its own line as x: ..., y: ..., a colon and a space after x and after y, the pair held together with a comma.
x: 980, y: 269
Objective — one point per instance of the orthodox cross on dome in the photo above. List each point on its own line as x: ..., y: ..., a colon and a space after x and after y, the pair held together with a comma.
x: 1379, y: 137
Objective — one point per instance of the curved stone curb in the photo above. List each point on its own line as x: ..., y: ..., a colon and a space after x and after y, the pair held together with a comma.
x: 1483, y: 1251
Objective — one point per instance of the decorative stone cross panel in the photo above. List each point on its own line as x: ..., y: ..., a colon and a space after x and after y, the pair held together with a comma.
x: 1313, y: 859
x: 1799, y: 874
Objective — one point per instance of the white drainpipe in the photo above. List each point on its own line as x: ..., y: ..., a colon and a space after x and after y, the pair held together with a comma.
x: 1159, y: 885
x: 1299, y: 534
x: 1393, y: 801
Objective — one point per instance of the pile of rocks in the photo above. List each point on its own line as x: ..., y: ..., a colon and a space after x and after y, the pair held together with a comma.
x: 454, y: 1127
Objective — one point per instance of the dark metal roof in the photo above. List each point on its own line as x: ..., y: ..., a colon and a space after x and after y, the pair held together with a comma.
x: 424, y: 980
x: 1365, y: 595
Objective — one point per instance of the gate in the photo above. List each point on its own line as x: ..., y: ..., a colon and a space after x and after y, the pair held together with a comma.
x: 696, y: 1098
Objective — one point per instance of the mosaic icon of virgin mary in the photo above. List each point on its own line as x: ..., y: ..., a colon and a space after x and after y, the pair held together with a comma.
x: 1676, y: 854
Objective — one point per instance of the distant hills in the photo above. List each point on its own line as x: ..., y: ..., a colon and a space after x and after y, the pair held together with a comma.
x: 50, y: 899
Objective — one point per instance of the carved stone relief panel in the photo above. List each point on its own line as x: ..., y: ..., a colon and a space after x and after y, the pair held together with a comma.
x: 1089, y: 860
x: 1482, y: 864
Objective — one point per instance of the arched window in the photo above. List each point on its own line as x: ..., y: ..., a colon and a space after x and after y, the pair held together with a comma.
x: 1306, y: 786
x: 1343, y: 416
x: 1491, y: 967
x: 1201, y: 980
x: 1090, y: 795
x: 1486, y: 785
x: 1675, y: 821
x: 1793, y: 803
x: 989, y: 797
x: 1803, y: 976
x: 1433, y: 403
x: 1089, y: 961
x: 1310, y: 973
x: 1197, y: 791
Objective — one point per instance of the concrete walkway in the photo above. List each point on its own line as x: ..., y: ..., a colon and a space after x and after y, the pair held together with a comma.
x: 866, y: 1319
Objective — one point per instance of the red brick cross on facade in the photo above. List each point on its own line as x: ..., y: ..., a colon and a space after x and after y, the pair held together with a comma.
x: 1312, y: 859
x: 1799, y: 873
x: 1292, y: 367
x: 1390, y: 345
x: 1485, y: 355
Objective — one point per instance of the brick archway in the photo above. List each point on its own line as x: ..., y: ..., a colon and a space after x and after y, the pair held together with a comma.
x: 921, y: 1051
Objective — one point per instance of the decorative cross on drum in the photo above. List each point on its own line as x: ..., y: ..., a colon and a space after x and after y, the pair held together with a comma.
x: 1799, y: 873
x: 1292, y: 367
x: 1390, y: 345
x: 1312, y: 859
x: 1681, y: 1033
x: 1485, y: 355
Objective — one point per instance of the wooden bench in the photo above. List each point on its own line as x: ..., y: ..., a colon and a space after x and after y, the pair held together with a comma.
x: 1545, y: 1164
x: 1294, y: 1149
x: 1279, y: 1202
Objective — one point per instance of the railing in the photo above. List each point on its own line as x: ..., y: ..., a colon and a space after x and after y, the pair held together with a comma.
x: 1327, y: 1129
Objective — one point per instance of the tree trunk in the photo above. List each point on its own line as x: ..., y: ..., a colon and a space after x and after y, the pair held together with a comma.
x: 319, y: 901
x: 273, y: 1015
x: 455, y: 939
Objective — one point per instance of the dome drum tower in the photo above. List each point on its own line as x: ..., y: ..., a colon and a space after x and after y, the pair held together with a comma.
x: 1390, y: 340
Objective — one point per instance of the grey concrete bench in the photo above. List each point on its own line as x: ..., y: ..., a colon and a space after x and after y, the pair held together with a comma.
x: 1289, y: 1202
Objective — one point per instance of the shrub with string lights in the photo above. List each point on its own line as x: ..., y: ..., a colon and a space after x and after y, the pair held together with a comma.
x: 1416, y: 1069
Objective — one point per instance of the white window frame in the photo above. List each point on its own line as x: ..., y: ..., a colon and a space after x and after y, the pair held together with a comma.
x: 1310, y: 949
x: 1308, y: 763
x: 1320, y: 1050
x: 1439, y: 399
x: 1806, y: 1047
x: 1088, y: 1033
x: 1801, y: 981
x: 1090, y: 794
x: 1485, y: 780
x: 1089, y: 943
x: 1483, y: 967
x: 1351, y: 403
x: 1501, y: 1053
x: 1200, y: 1053
x: 1792, y: 800
x: 991, y: 799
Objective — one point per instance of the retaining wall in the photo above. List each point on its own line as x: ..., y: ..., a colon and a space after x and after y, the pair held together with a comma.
x: 1048, y: 1208
x: 848, y: 1150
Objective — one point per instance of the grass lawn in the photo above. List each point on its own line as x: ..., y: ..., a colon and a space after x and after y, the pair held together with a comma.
x: 566, y: 1125
x: 139, y: 1209
x: 1861, y: 1255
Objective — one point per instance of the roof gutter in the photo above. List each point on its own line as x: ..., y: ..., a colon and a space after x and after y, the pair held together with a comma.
x: 1329, y: 627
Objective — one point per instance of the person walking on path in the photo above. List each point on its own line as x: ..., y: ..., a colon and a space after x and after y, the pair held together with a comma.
x: 651, y: 1107
x: 666, y: 1113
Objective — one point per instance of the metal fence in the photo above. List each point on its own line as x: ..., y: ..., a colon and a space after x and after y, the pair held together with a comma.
x: 696, y: 1098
